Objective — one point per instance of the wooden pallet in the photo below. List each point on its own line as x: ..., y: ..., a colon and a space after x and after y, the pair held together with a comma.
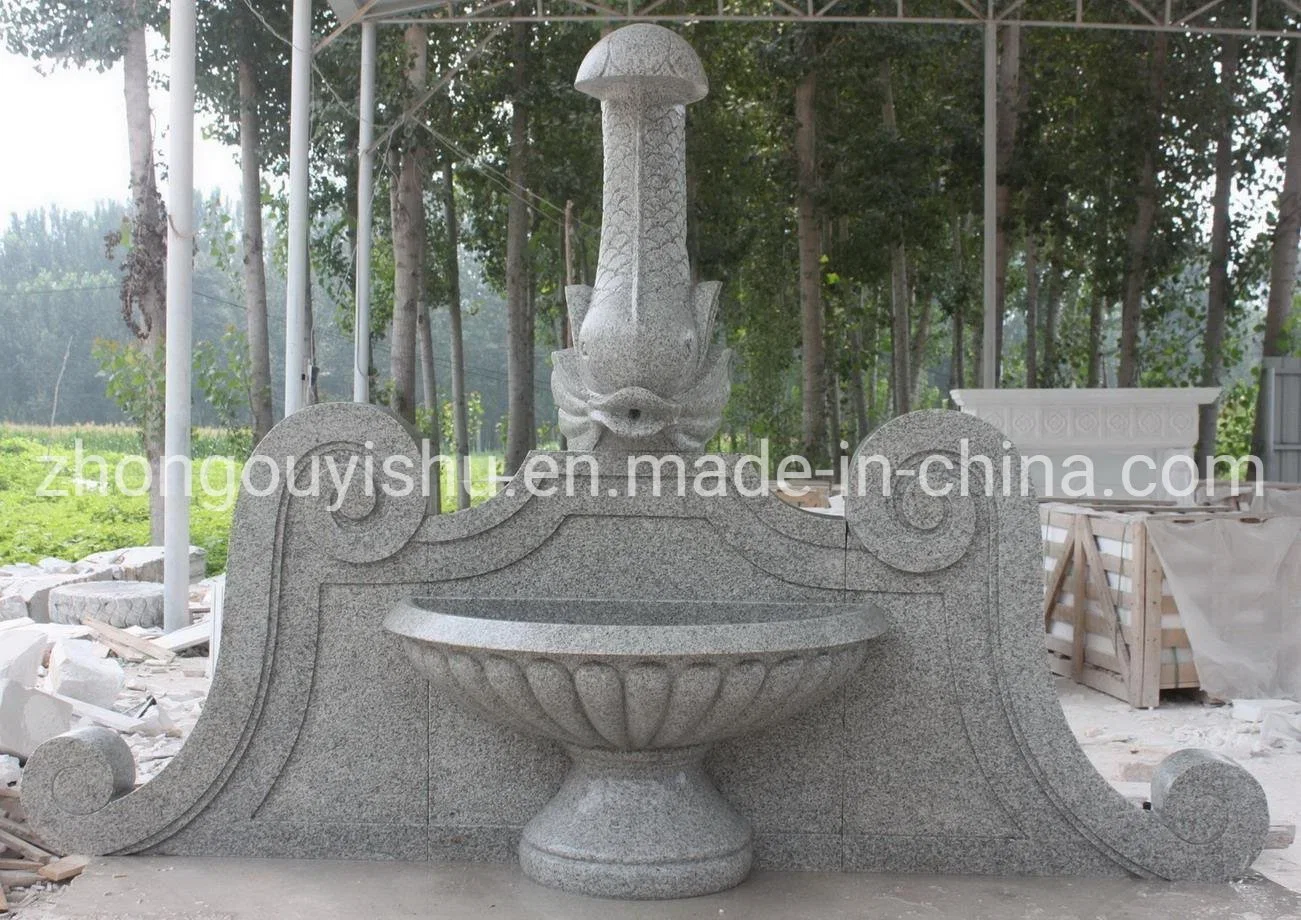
x: 1125, y: 637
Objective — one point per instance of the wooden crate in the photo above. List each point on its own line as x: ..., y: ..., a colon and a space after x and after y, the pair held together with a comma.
x: 1132, y: 644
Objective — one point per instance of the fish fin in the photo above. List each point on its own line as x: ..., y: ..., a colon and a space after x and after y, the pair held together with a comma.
x: 705, y: 298
x: 578, y: 297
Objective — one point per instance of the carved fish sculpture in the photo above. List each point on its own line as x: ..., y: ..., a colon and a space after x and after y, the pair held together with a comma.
x: 644, y: 372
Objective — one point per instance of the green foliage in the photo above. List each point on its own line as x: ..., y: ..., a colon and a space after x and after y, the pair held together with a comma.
x: 1237, y: 415
x: 98, y: 513
x: 88, y: 518
x: 81, y: 33
x: 221, y: 372
x: 1086, y: 117
x: 483, y: 467
x: 134, y: 378
x: 447, y: 423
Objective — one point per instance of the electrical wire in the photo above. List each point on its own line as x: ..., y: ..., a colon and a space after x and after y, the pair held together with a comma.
x: 70, y: 290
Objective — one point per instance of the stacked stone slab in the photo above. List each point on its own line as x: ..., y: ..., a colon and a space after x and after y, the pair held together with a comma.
x: 144, y: 563
x: 117, y: 603
x: 25, y: 587
x: 27, y: 594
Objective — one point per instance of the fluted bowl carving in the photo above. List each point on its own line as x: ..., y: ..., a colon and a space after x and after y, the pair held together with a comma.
x: 634, y: 675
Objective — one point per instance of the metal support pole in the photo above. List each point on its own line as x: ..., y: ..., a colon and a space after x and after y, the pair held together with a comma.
x: 989, y: 341
x: 180, y: 306
x: 300, y: 128
x: 365, y: 215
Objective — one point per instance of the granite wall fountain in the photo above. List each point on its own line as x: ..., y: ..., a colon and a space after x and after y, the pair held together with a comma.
x: 849, y: 695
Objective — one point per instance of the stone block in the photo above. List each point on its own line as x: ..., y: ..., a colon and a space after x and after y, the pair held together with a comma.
x: 145, y: 563
x: 19, y: 569
x: 29, y: 595
x: 118, y: 603
x: 12, y: 607
x: 76, y: 671
x: 28, y: 718
x: 11, y: 771
x: 21, y: 652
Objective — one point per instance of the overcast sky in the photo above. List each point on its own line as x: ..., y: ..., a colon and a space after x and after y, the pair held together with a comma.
x: 66, y: 142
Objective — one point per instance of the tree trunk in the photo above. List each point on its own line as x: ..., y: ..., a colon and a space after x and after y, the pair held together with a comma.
x: 145, y: 288
x: 428, y: 376
x: 857, y: 395
x: 1009, y: 93
x: 1095, y: 341
x: 958, y: 360
x: 900, y: 331
x: 309, y: 342
x: 1048, y: 369
x: 460, y: 412
x: 1140, y: 232
x: 901, y: 321
x: 810, y: 250
x: 1283, y: 254
x: 831, y: 384
x: 834, y: 435
x: 520, y: 423
x: 566, y: 336
x: 429, y: 394
x: 920, y: 338
x: 408, y: 220
x: 1218, y: 293
x: 873, y: 347
x: 255, y: 278
x: 1031, y: 311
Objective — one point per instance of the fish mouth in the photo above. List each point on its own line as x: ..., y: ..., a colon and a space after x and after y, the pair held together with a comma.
x: 633, y: 412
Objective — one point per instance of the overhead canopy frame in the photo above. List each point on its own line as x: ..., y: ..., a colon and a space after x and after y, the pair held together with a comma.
x: 1251, y: 18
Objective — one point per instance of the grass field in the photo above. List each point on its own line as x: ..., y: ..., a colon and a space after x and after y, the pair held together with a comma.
x: 102, y: 511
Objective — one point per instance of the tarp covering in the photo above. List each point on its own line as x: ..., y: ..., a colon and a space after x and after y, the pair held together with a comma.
x: 1277, y: 501
x: 1238, y: 587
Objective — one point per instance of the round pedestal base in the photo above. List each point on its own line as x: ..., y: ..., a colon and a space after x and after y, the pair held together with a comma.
x: 637, y: 825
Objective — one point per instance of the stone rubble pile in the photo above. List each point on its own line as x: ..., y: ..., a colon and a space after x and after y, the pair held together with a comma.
x: 54, y: 677
x: 25, y: 587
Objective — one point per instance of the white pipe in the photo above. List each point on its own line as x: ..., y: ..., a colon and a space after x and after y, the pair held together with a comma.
x: 989, y: 343
x: 300, y: 130
x: 365, y: 213
x: 180, y: 306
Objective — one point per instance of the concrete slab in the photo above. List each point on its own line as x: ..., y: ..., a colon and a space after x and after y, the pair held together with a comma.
x: 142, y: 888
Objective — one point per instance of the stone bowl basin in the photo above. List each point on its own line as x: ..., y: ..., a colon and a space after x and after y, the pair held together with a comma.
x: 636, y: 692
x: 634, y: 675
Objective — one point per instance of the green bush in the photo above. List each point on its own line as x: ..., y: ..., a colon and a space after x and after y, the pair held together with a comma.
x: 88, y: 518
x: 94, y: 516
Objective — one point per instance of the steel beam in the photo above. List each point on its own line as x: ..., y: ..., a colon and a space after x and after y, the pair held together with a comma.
x: 180, y: 313
x: 300, y: 139
x: 989, y: 341
x: 365, y: 216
